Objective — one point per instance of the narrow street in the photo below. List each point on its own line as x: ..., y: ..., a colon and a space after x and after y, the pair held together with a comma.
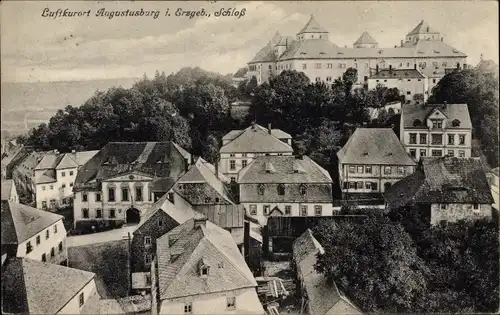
x: 100, y: 237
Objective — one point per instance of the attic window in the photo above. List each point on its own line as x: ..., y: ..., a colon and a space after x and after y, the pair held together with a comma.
x: 455, y: 123
x: 436, y: 51
x: 303, y: 53
x: 322, y: 53
x: 340, y: 53
x: 417, y: 122
x: 420, y: 52
x: 365, y: 153
x: 380, y: 52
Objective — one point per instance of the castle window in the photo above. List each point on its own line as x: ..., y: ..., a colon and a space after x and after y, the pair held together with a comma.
x: 304, y: 66
x: 318, y: 66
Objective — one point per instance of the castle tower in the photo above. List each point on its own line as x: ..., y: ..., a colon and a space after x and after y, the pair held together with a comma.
x: 365, y: 41
x: 312, y: 30
x: 422, y: 32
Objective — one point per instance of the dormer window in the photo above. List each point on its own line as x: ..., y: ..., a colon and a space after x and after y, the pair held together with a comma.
x: 417, y: 122
x: 204, y: 271
x: 456, y: 123
x: 203, y: 268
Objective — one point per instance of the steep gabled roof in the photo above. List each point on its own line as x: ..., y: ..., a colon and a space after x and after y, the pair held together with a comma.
x: 365, y: 38
x: 180, y: 252
x: 20, y: 222
x: 323, y: 297
x: 312, y: 26
x: 374, y: 146
x: 278, y: 133
x: 422, y: 28
x: 412, y: 113
x: 284, y: 171
x: 256, y: 140
x: 442, y: 180
x: 36, y: 287
x: 266, y: 54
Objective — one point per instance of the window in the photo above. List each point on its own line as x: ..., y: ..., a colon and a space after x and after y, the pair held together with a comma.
x: 244, y: 163
x: 461, y: 139
x: 148, y: 279
x: 44, y: 205
x: 408, y: 93
x: 451, y: 139
x: 233, y: 179
x: 318, y: 79
x: 444, y: 206
x: 423, y: 152
x: 475, y: 206
x: 318, y: 66
x: 63, y: 174
x: 160, y: 221
x: 437, y: 123
x: 437, y: 153
x: 147, y: 258
x: 207, y: 200
x: 147, y: 240
x: 461, y: 153
x: 387, y: 170
x: 85, y: 213
x: 81, y: 299
x: 232, y: 155
x: 111, y: 194
x: 303, y: 210
x: 267, y: 208
x: 359, y: 185
x: 51, y: 187
x: 437, y: 139
x: 29, y: 248
x: 433, y: 80
x: 352, y: 169
x: 138, y: 193
x: 329, y: 65
x: 304, y: 66
x: 47, y: 234
x: 43, y: 187
x: 70, y: 184
x: 52, y: 203
x: 423, y: 138
x: 188, y: 308
x: 318, y: 210
x: 261, y: 189
x: 55, y: 229
x: 98, y: 197
x: 451, y: 153
x: 150, y: 193
x: 231, y: 303
x: 281, y: 189
x: 38, y: 240
x: 44, y: 257
x: 112, y: 213
x: 60, y: 246
x: 124, y: 194
x: 253, y: 209
x: 413, y: 138
x: 352, y: 185
x: 303, y: 190
x: 328, y: 79
x: 368, y: 169
x: 98, y: 213
x: 232, y: 165
x: 359, y: 169
x: 368, y: 185
x: 63, y: 186
x: 71, y: 173
x: 85, y: 197
x: 401, y: 170
x: 288, y: 210
x: 52, y: 252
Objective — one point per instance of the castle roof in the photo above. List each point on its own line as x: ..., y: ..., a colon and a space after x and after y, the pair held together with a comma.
x: 365, y: 38
x: 312, y: 26
x: 422, y: 28
x: 398, y: 74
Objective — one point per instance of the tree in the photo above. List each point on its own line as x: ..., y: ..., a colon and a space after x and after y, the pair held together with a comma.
x: 478, y: 88
x: 374, y: 262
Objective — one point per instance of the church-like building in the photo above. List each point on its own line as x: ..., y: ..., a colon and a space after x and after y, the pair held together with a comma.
x: 314, y: 54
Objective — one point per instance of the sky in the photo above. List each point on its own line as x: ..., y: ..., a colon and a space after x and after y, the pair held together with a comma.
x: 36, y: 48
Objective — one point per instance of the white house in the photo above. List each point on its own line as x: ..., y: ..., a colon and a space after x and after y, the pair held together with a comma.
x: 9, y: 191
x: 33, y: 233
x: 35, y: 287
x: 409, y: 82
x: 201, y: 271
x: 436, y: 130
x: 241, y: 147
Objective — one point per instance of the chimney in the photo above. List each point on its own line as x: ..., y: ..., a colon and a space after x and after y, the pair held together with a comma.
x: 376, y: 70
x: 269, y: 128
x: 390, y: 68
x: 192, y: 159
x: 217, y: 167
x: 186, y: 165
x: 401, y: 43
x: 199, y: 220
x: 415, y: 66
x: 73, y: 151
x: 253, y: 125
x: 444, y: 104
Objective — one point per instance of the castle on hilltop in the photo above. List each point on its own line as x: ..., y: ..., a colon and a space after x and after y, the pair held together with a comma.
x: 314, y: 54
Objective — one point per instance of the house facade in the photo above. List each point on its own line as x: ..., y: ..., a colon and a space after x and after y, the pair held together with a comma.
x: 35, y: 287
x: 115, y: 185
x: 9, y: 191
x: 201, y: 271
x: 23, y: 174
x: 412, y: 84
x: 448, y: 189
x: 55, y: 176
x: 32, y: 233
x: 436, y: 130
x: 312, y: 53
x: 285, y: 186
x: 372, y: 160
x: 241, y: 147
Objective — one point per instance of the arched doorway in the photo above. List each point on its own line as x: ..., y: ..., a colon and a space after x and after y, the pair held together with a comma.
x: 133, y: 215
